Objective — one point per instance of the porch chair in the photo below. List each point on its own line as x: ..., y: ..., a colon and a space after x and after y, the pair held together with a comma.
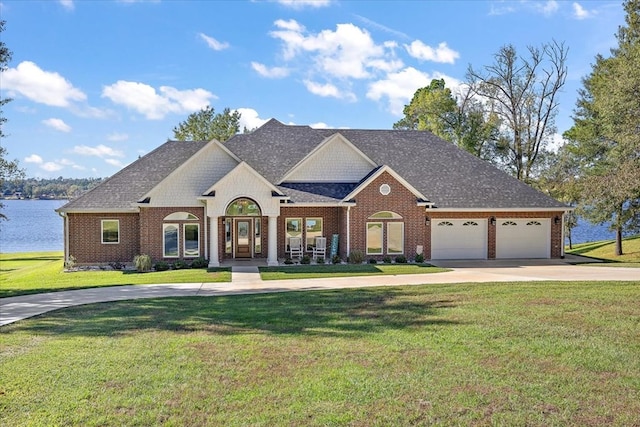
x: 295, y: 247
x: 321, y: 248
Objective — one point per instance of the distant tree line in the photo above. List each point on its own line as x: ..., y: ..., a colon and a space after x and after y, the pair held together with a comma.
x: 41, y: 188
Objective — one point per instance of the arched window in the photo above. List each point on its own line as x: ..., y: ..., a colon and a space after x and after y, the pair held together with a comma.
x: 445, y: 224
x: 243, y: 207
x: 385, y: 215
x: 181, y: 216
x: 470, y: 223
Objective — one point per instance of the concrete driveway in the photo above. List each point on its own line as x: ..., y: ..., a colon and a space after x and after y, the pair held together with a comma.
x: 246, y: 280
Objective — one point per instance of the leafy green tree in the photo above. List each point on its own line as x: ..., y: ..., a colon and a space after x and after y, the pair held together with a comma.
x: 522, y: 93
x: 460, y: 120
x: 605, y: 135
x: 9, y: 169
x: 206, y: 125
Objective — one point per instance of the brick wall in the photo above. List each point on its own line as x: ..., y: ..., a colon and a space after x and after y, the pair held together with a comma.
x: 151, y: 230
x: 401, y: 201
x: 85, y: 238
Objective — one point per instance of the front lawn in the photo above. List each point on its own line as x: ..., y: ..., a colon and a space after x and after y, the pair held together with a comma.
x: 534, y: 354
x: 34, y: 272
x: 605, y: 251
x: 344, y: 270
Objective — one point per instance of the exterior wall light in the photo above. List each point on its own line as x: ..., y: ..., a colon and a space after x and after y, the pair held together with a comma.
x: 493, y: 220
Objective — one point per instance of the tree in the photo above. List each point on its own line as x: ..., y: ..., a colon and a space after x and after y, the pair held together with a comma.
x: 9, y: 169
x: 206, y: 125
x: 605, y: 133
x: 522, y: 92
x: 460, y: 120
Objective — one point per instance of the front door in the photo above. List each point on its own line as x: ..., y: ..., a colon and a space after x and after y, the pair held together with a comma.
x: 243, y: 238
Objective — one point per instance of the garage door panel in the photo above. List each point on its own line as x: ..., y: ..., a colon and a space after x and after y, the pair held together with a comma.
x: 523, y: 238
x: 459, y: 239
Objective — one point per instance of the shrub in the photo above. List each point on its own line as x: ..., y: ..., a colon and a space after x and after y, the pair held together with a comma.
x: 180, y: 265
x: 320, y: 260
x: 419, y: 258
x: 199, y: 262
x: 386, y: 260
x: 288, y: 261
x: 161, y: 266
x: 373, y: 261
x: 356, y: 257
x: 401, y: 259
x: 142, y: 263
x: 336, y: 259
x: 305, y: 260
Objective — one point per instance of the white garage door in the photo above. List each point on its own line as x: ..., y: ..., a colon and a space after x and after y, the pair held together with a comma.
x: 523, y: 238
x: 459, y: 239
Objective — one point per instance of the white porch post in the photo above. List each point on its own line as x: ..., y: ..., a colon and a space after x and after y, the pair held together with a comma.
x: 214, y: 260
x: 272, y: 258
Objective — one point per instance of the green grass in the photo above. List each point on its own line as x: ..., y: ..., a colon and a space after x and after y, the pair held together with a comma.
x: 605, y: 251
x: 535, y: 354
x: 344, y: 270
x: 34, y: 272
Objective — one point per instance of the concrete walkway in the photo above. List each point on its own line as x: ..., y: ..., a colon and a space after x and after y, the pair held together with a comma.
x: 246, y: 280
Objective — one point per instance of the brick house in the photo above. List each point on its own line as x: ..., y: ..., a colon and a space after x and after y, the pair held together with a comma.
x: 386, y: 193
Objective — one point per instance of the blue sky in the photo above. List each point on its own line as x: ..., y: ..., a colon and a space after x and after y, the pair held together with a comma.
x: 98, y: 83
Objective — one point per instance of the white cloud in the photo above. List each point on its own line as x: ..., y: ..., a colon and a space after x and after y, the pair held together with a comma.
x: 381, y: 27
x: 299, y: 4
x: 34, y: 158
x: 67, y: 4
x: 213, y: 43
x: 424, y: 52
x: 580, y: 12
x: 319, y: 125
x: 117, y: 137
x: 57, y: 124
x: 400, y: 87
x: 115, y: 162
x: 250, y: 119
x: 51, y: 166
x: 101, y: 151
x: 548, y: 8
x: 347, y: 52
x: 272, y: 73
x: 153, y: 105
x: 328, y: 90
x: 44, y: 87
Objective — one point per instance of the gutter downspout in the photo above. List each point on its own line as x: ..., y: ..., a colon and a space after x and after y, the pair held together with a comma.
x: 348, y: 230
x: 66, y: 236
x: 206, y: 231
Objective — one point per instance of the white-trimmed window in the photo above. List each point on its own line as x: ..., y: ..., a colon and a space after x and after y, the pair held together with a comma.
x: 191, y: 233
x: 313, y: 229
x: 395, y: 238
x: 374, y: 238
x: 293, y: 228
x: 170, y: 241
x: 110, y: 229
x: 257, y: 241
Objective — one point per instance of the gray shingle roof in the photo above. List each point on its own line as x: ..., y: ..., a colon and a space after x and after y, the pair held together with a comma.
x: 448, y: 176
x: 134, y: 181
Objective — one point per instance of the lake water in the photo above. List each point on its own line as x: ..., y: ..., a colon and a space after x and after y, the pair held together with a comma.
x: 34, y: 226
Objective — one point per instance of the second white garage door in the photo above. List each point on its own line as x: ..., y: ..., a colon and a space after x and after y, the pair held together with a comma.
x: 459, y: 239
x: 523, y: 238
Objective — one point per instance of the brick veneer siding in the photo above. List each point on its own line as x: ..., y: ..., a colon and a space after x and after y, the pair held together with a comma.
x: 401, y: 201
x: 85, y: 238
x: 151, y: 230
x: 331, y: 223
x: 556, y: 229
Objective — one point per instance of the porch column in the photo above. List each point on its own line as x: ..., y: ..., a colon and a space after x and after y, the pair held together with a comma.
x: 272, y: 258
x: 214, y: 259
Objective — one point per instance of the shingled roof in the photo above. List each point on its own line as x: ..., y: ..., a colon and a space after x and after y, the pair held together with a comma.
x: 449, y: 177
x: 122, y: 190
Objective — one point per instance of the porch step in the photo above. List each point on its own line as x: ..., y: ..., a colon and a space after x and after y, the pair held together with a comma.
x: 245, y: 274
